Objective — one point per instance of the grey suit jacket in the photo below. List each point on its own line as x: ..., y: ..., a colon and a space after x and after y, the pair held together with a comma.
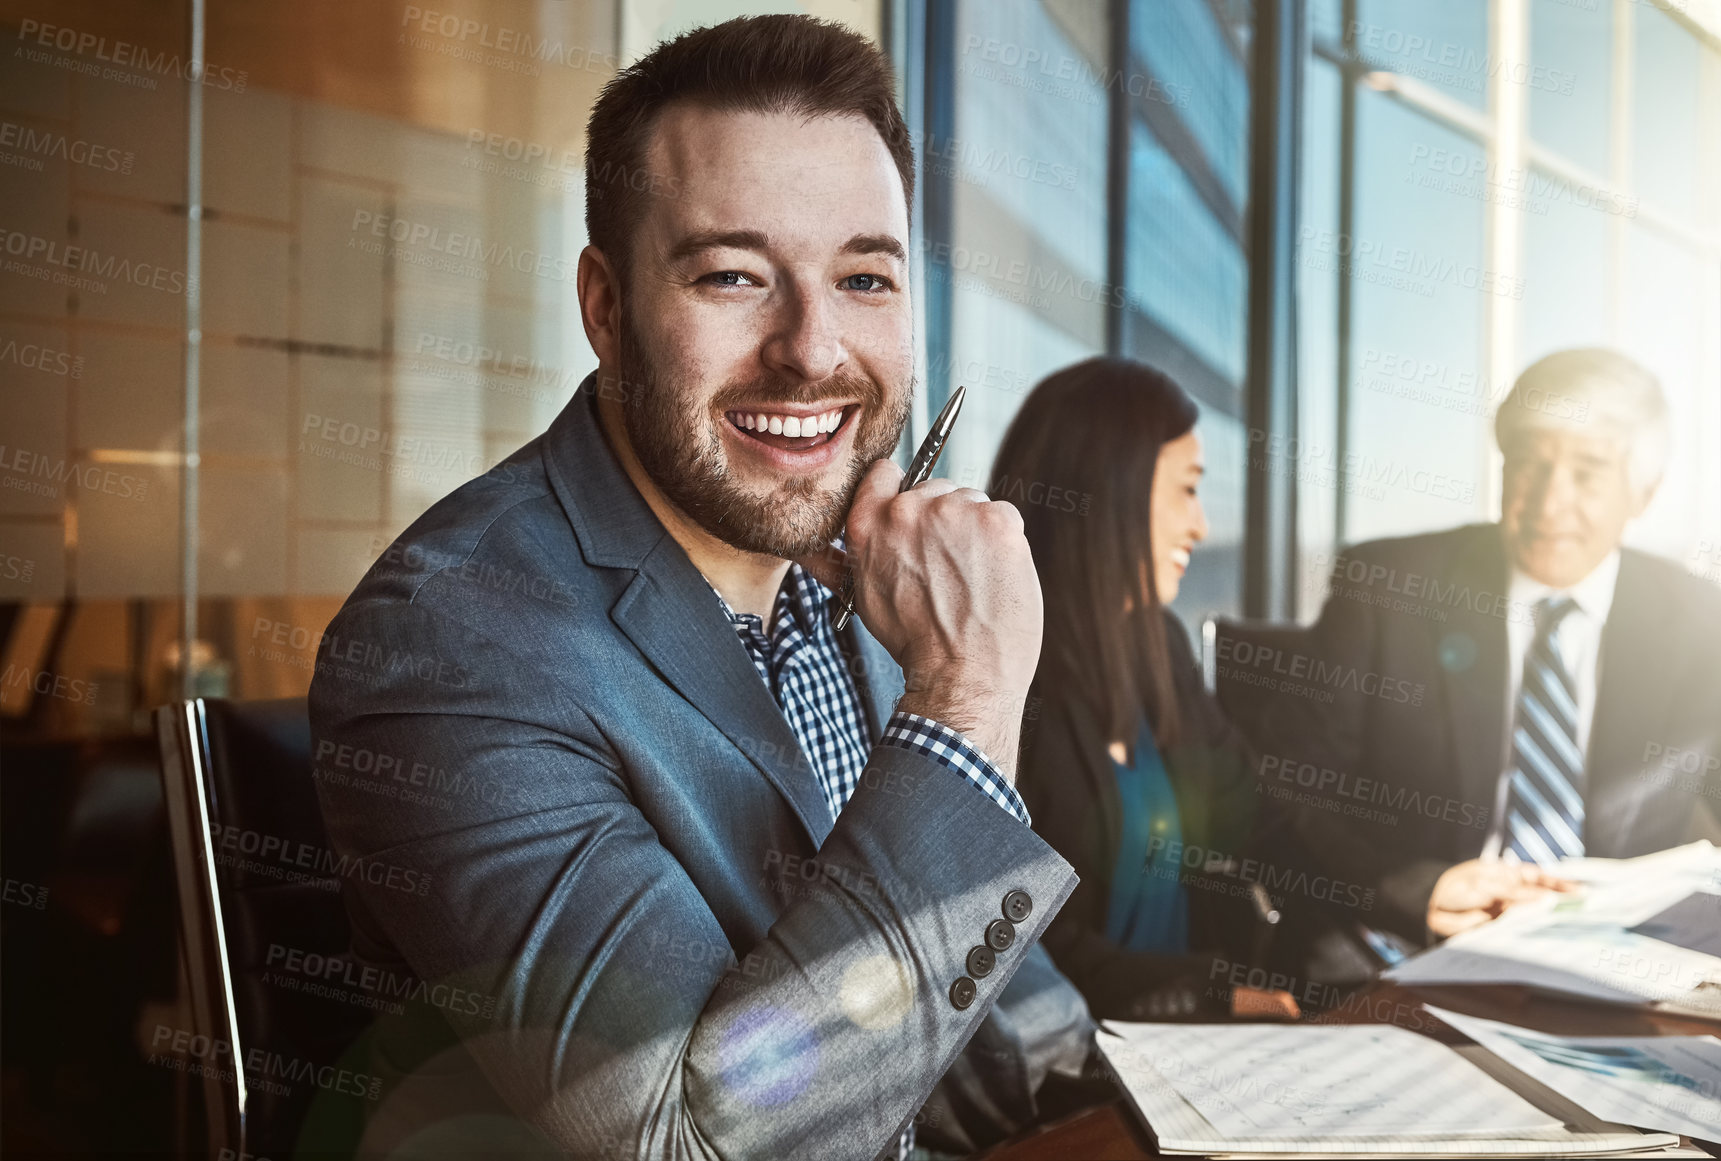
x: 583, y: 808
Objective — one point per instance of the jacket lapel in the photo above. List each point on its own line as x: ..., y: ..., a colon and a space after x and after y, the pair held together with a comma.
x: 878, y: 678
x: 1640, y: 675
x: 670, y: 613
x: 1471, y: 649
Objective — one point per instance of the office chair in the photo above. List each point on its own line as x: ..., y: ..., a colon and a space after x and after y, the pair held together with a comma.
x: 1252, y: 668
x: 256, y: 896
x: 1243, y: 664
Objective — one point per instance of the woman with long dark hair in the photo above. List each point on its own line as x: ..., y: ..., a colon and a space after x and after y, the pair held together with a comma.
x: 1128, y: 766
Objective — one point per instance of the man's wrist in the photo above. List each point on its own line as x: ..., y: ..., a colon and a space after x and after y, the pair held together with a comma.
x: 958, y: 752
x: 991, y: 721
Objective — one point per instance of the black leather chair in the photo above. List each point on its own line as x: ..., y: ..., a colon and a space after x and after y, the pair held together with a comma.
x: 263, y: 932
x: 1252, y: 668
x: 1241, y: 662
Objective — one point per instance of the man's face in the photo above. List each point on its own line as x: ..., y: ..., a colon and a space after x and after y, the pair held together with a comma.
x: 1566, y: 500
x: 771, y: 295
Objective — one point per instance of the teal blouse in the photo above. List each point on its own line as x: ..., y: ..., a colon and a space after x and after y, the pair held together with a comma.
x: 1149, y: 909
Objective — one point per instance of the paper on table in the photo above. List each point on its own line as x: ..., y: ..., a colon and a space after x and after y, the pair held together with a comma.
x: 1256, y: 1081
x: 1614, y: 966
x: 1609, y: 942
x: 1693, y: 923
x: 1694, y: 862
x: 1668, y: 1083
x: 1179, y: 1129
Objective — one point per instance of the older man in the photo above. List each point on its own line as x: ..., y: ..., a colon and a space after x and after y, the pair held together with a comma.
x: 734, y: 884
x: 1549, y: 675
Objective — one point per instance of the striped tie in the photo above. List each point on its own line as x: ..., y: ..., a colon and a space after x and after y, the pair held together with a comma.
x: 1545, y: 804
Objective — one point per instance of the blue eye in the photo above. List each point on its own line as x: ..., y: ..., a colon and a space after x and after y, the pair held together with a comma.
x: 725, y: 278
x: 878, y: 284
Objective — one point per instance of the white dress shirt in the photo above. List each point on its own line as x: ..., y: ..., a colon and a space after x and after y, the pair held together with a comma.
x: 1578, y: 642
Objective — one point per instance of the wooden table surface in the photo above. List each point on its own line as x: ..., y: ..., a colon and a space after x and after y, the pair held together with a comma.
x: 1114, y: 1133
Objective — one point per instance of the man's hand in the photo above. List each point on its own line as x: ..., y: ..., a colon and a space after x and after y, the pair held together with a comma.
x: 945, y: 580
x: 1471, y: 893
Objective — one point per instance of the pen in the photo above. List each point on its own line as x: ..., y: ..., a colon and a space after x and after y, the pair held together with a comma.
x: 919, y: 468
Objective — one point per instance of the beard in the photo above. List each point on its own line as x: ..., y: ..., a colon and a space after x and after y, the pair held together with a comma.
x: 683, y: 453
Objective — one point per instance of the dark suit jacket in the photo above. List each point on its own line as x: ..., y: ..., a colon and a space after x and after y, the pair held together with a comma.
x: 533, y: 709
x: 1425, y: 618
x: 1069, y: 784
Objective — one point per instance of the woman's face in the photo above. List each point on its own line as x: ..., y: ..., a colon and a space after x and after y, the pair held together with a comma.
x: 1178, y: 521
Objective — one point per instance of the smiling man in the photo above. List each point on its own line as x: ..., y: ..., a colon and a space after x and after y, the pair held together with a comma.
x: 1561, y: 694
x: 730, y: 883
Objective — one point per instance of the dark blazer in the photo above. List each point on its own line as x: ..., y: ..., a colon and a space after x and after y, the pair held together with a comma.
x: 1426, y: 617
x: 1069, y: 784
x: 604, y: 829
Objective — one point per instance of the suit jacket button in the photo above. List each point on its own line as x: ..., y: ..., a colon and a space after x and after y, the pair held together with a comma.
x: 1018, y: 905
x: 962, y: 992
x: 1000, y: 934
x: 981, y: 961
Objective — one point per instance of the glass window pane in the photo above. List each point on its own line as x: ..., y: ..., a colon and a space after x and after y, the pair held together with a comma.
x: 1444, y: 45
x: 1326, y: 20
x: 1182, y: 268
x: 1029, y: 136
x: 1186, y: 50
x: 1565, y: 257
x: 1670, y: 294
x: 1000, y: 350
x: 1317, y: 326
x: 1570, y: 48
x: 1418, y: 416
x: 1664, y: 112
x: 1025, y: 265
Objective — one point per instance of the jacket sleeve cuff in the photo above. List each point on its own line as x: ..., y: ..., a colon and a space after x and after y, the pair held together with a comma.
x: 948, y: 748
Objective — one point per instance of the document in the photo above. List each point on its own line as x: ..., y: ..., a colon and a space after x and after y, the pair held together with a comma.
x: 1239, y: 1090
x: 1364, y: 1080
x: 1641, y: 931
x: 1695, y: 861
x: 1670, y: 1083
x: 1693, y: 923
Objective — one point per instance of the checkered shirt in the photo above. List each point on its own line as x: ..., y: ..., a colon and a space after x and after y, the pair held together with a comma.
x: 803, y: 668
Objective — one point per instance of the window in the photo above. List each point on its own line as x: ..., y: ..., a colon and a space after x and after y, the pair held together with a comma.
x: 1545, y: 184
x: 1029, y: 269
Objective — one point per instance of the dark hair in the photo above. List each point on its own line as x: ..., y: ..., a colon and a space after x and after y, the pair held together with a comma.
x: 1093, y: 431
x: 755, y: 64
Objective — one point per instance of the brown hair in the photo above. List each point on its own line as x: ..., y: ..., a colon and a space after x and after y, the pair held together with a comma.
x: 754, y: 64
x: 1094, y: 430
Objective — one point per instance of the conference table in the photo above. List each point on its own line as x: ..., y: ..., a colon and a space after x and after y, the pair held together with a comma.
x: 1113, y: 1132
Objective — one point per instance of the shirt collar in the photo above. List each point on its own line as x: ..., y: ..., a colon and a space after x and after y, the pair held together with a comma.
x: 1593, y: 594
x: 805, y: 598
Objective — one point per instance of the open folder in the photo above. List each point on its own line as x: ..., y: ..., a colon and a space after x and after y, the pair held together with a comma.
x: 1241, y: 1090
x: 1639, y: 931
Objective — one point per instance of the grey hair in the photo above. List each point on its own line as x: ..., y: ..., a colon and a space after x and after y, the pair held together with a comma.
x: 1596, y: 391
